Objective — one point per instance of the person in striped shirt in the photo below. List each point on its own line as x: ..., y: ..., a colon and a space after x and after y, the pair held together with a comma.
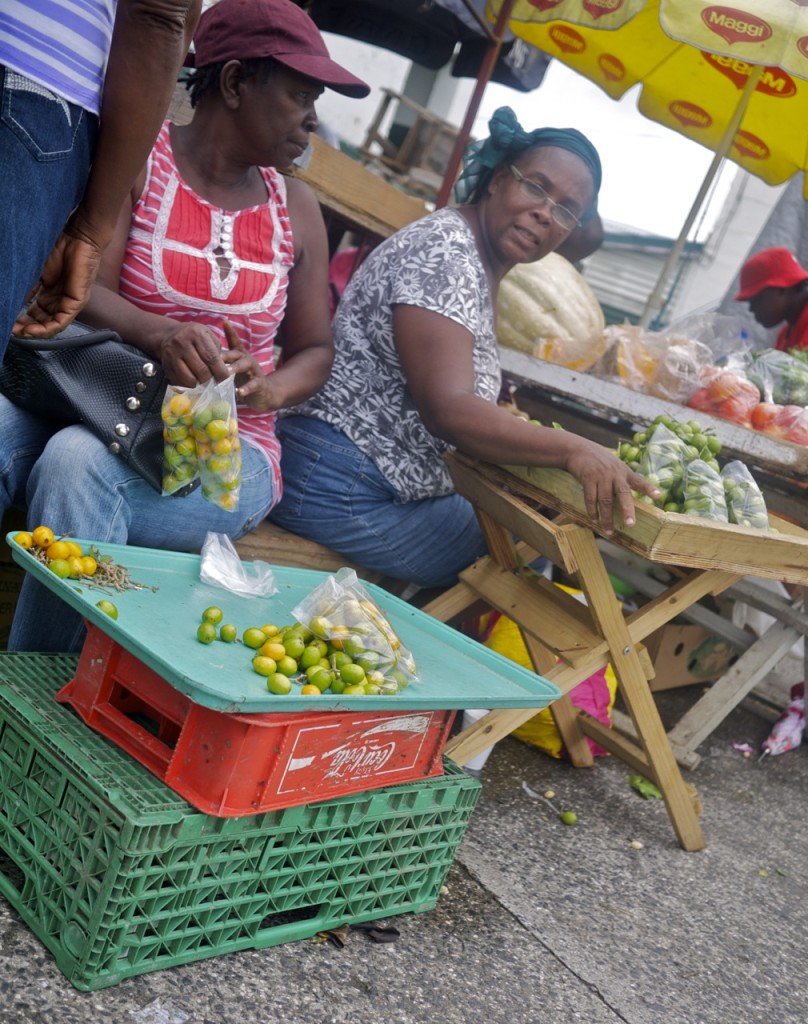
x: 218, y: 264
x: 84, y: 87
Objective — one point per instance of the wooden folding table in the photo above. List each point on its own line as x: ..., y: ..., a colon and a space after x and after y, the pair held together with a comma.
x: 567, y: 640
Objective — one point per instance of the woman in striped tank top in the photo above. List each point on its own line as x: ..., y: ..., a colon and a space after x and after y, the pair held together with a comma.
x: 216, y: 260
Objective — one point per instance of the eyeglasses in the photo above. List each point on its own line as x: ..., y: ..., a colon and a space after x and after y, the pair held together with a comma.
x: 532, y: 190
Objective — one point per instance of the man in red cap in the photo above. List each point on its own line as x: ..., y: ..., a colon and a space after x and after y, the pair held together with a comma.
x: 776, y: 287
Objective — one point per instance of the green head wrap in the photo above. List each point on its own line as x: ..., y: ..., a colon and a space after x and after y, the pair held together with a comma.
x: 506, y: 141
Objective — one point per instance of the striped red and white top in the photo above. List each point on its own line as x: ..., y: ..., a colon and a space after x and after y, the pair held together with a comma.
x: 178, y: 246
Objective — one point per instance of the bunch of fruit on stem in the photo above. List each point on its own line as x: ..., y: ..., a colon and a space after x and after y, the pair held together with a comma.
x: 65, y: 558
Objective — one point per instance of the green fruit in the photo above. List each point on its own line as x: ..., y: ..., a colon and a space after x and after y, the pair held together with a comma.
x: 254, y: 637
x: 59, y: 567
x: 295, y: 645
x: 228, y: 633
x: 205, y: 634
x: 322, y: 679
x: 287, y: 666
x: 264, y: 666
x: 279, y: 684
x: 108, y: 608
x: 213, y: 614
x: 352, y: 675
x: 569, y: 817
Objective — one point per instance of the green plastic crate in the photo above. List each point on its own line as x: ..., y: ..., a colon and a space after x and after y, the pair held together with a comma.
x: 117, y: 875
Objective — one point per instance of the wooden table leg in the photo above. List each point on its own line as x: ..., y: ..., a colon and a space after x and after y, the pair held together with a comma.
x: 610, y: 623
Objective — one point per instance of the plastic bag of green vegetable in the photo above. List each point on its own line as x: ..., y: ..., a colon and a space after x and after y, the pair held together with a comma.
x: 704, y: 492
x: 746, y: 505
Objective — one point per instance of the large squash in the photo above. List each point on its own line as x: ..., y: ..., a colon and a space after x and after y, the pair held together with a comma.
x: 548, y: 310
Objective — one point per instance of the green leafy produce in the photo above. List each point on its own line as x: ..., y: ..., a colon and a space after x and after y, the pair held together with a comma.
x: 704, y: 492
x: 746, y: 505
x: 662, y: 453
x: 780, y: 377
x: 644, y: 787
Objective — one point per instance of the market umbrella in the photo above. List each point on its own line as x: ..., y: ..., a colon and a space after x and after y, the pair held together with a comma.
x: 729, y: 76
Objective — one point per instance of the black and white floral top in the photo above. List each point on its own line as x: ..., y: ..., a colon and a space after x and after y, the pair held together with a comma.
x: 433, y: 264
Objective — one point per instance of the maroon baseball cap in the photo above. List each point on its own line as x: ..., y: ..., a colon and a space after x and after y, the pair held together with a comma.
x: 769, y: 268
x: 243, y: 29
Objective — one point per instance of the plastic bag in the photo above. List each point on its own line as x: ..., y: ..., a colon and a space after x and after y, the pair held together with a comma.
x: 595, y: 695
x: 222, y: 567
x: 679, y: 368
x: 180, y: 464
x: 727, y: 392
x: 746, y: 505
x: 341, y: 612
x: 200, y: 438
x: 704, y: 492
x: 722, y: 333
x: 785, y: 422
x: 779, y: 377
x: 218, y: 446
x: 663, y: 462
x: 630, y: 358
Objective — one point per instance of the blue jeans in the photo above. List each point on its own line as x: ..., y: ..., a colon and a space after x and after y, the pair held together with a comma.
x: 46, y: 147
x: 70, y: 482
x: 335, y: 495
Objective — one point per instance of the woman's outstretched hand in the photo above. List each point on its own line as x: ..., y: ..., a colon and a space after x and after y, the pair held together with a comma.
x: 608, y: 484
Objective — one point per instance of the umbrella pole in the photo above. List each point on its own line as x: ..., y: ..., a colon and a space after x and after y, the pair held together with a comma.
x: 486, y: 70
x: 654, y: 303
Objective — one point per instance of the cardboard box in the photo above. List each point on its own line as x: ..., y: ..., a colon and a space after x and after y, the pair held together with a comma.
x: 685, y: 655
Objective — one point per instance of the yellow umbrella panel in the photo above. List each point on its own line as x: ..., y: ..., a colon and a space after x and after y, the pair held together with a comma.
x: 758, y: 31
x: 693, y: 89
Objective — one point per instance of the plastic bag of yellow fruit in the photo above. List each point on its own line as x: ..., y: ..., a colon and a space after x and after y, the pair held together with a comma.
x: 201, y: 438
x: 341, y: 612
x: 180, y: 465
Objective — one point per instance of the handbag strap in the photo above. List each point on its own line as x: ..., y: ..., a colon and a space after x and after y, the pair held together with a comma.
x: 75, y: 336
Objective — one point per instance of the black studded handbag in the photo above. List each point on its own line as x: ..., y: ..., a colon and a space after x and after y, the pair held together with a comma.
x: 92, y: 377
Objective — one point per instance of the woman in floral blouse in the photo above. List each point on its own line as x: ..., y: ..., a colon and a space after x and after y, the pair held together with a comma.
x: 417, y: 372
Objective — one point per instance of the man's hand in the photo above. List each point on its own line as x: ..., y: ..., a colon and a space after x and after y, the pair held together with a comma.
x: 63, y: 288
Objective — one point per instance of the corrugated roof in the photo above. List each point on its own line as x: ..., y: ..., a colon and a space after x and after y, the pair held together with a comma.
x: 625, y: 270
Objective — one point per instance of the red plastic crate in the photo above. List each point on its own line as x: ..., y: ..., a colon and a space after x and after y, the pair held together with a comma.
x: 229, y: 764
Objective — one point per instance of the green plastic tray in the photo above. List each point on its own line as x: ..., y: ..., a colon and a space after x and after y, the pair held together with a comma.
x: 158, y: 625
x: 118, y: 876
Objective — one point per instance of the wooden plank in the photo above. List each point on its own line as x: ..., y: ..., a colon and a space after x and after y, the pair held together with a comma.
x: 355, y: 194
x: 451, y: 603
x: 563, y: 711
x: 636, y: 694
x: 727, y: 692
x: 684, y: 758
x: 488, y: 730
x: 540, y: 608
x: 780, y: 553
x: 485, y: 486
x: 271, y: 543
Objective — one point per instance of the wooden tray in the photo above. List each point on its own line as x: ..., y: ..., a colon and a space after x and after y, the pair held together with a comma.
x: 674, y: 539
